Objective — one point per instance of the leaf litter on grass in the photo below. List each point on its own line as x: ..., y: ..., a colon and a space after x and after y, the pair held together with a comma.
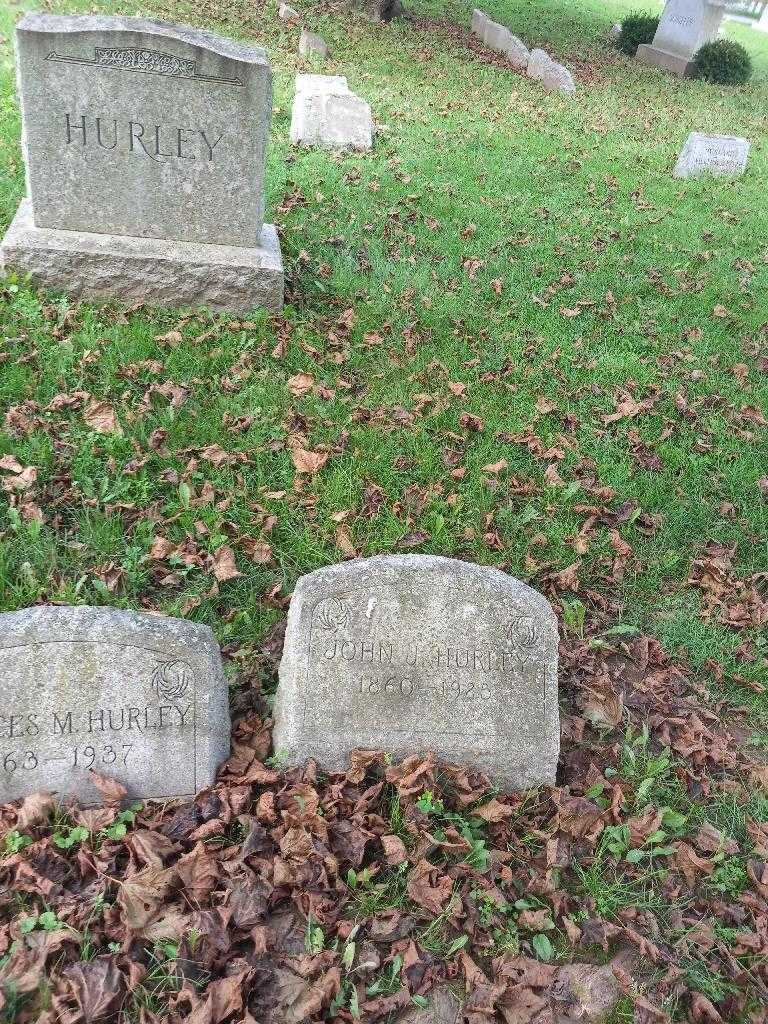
x: 641, y: 878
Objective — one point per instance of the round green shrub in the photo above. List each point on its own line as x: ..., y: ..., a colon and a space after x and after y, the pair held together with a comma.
x: 636, y: 29
x: 723, y: 62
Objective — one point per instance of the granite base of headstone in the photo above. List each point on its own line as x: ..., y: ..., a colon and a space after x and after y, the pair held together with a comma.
x: 138, y: 698
x: 685, y: 26
x: 144, y: 145
x: 412, y: 653
x: 723, y: 156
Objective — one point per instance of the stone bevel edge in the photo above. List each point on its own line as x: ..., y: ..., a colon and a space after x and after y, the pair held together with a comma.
x: 34, y: 23
x: 392, y: 565
x: 103, y: 624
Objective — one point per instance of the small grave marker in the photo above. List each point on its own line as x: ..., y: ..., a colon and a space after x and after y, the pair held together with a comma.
x: 140, y: 698
x: 412, y: 653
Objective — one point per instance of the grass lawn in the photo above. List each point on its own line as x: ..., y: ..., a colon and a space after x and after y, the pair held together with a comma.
x: 511, y: 337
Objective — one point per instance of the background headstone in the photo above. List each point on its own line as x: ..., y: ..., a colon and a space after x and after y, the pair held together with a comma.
x: 410, y: 653
x: 684, y: 27
x: 724, y: 156
x: 311, y: 44
x: 139, y: 698
x: 137, y: 129
x: 479, y: 19
x: 327, y: 114
x: 538, y: 63
x: 497, y: 37
x: 557, y: 78
x: 518, y: 53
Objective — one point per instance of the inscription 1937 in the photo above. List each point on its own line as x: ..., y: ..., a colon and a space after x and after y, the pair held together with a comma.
x: 20, y: 733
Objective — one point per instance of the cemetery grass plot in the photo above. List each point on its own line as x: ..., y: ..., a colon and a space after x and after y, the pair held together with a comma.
x: 514, y: 338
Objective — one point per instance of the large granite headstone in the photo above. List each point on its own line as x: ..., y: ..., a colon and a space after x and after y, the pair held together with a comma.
x: 684, y: 27
x: 139, y: 698
x: 410, y: 653
x: 724, y: 156
x: 144, y: 145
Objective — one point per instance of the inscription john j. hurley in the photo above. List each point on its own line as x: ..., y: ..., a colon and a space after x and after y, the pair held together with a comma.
x: 410, y: 653
x: 136, y: 127
x: 139, y: 698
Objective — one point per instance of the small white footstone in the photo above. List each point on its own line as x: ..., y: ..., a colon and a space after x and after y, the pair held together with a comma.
x: 328, y: 115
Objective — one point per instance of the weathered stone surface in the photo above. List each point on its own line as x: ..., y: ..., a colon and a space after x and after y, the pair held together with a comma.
x: 538, y: 63
x: 410, y: 653
x: 557, y: 78
x: 312, y: 45
x: 137, y: 127
x: 586, y: 993
x: 684, y: 27
x: 85, y: 265
x: 497, y: 37
x: 327, y: 114
x: 288, y: 13
x: 724, y: 156
x: 478, y: 20
x: 518, y: 53
x: 139, y: 698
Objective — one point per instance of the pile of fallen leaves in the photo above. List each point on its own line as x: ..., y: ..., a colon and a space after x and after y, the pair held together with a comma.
x: 412, y: 891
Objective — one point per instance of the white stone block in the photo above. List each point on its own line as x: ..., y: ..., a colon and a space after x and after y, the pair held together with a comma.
x: 557, y: 78
x: 327, y: 114
x: 497, y: 37
x: 312, y: 45
x: 724, y: 156
x: 518, y: 53
x: 478, y: 20
x: 538, y: 63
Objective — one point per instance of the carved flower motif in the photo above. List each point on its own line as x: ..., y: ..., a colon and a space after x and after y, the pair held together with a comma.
x: 523, y: 631
x: 332, y: 614
x: 172, y: 679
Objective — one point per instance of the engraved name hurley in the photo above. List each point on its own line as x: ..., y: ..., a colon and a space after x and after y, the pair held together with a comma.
x: 138, y: 128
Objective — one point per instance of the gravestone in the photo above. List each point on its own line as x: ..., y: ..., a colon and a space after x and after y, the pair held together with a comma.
x: 479, y: 18
x: 518, y: 53
x: 312, y: 45
x: 144, y: 145
x: 497, y: 37
x: 684, y: 27
x: 557, y: 78
x: 328, y: 115
x: 410, y: 653
x: 724, y: 156
x: 139, y: 698
x: 538, y: 63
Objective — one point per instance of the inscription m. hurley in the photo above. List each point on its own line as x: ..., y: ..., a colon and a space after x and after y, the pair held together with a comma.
x: 158, y: 142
